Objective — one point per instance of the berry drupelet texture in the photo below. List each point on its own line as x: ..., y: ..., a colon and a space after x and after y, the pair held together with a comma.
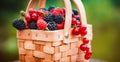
x: 33, y: 25
x: 52, y: 26
x: 58, y: 18
x: 49, y: 17
x: 19, y: 24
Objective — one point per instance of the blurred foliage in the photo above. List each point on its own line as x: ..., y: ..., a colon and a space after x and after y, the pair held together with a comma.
x: 104, y: 15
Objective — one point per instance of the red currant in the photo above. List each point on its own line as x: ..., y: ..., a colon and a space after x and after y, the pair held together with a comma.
x: 83, y: 27
x: 74, y: 21
x: 88, y: 54
x: 27, y: 17
x: 78, y: 22
x: 34, y: 16
x: 31, y: 11
x: 75, y: 31
x: 83, y: 33
x: 83, y: 47
x: 85, y: 41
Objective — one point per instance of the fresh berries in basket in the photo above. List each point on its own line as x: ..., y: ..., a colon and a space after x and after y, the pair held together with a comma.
x: 52, y: 19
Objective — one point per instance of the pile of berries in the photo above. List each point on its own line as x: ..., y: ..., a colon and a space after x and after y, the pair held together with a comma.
x: 52, y: 19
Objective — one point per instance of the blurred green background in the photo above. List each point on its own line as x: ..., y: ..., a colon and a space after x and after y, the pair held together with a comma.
x: 104, y: 15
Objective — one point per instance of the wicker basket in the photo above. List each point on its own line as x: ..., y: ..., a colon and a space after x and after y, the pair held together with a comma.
x: 53, y: 46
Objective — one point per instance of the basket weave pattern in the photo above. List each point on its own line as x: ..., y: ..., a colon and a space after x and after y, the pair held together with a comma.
x: 32, y: 47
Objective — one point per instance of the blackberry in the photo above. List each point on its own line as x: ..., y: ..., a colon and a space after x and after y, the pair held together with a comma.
x: 49, y: 17
x: 52, y: 26
x: 75, y: 12
x: 58, y: 18
x: 51, y: 7
x: 78, y: 18
x: 18, y: 24
x: 33, y: 25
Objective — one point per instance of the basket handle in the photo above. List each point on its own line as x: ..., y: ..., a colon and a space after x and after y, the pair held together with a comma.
x: 68, y: 16
x: 32, y: 3
x: 81, y: 11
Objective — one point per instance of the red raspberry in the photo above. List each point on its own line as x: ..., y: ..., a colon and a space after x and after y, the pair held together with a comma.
x: 31, y: 11
x: 41, y: 24
x: 34, y: 16
x: 57, y: 11
x: 27, y: 17
x: 74, y: 21
x: 75, y: 31
x: 41, y: 12
x: 60, y: 26
x: 83, y: 47
x: 88, y: 54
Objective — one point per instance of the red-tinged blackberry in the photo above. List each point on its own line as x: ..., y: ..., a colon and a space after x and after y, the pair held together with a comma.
x: 19, y: 24
x: 58, y: 18
x: 75, y: 12
x: 33, y: 25
x: 49, y: 17
x: 52, y: 26
x: 51, y: 7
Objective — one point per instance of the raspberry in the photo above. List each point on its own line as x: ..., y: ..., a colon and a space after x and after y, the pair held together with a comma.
x: 41, y: 24
x: 18, y: 24
x: 52, y: 25
x: 34, y: 16
x: 58, y: 18
x: 33, y: 25
x: 49, y: 17
x: 27, y: 17
x: 75, y: 12
x: 58, y: 11
x: 60, y: 26
x: 51, y: 8
x: 31, y: 11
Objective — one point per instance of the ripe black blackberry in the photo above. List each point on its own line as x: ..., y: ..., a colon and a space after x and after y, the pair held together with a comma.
x: 33, y: 25
x: 49, y: 17
x: 75, y: 11
x: 52, y: 26
x: 19, y: 24
x: 58, y: 18
x: 51, y: 7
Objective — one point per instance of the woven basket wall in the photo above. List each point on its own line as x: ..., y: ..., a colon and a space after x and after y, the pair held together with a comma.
x: 50, y: 46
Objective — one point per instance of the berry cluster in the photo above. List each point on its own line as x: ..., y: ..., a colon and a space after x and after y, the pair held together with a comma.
x: 51, y: 19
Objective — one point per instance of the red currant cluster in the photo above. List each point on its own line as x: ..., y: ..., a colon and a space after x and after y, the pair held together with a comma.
x: 81, y: 30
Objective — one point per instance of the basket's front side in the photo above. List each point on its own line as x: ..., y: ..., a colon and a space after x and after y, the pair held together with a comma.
x: 41, y: 46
